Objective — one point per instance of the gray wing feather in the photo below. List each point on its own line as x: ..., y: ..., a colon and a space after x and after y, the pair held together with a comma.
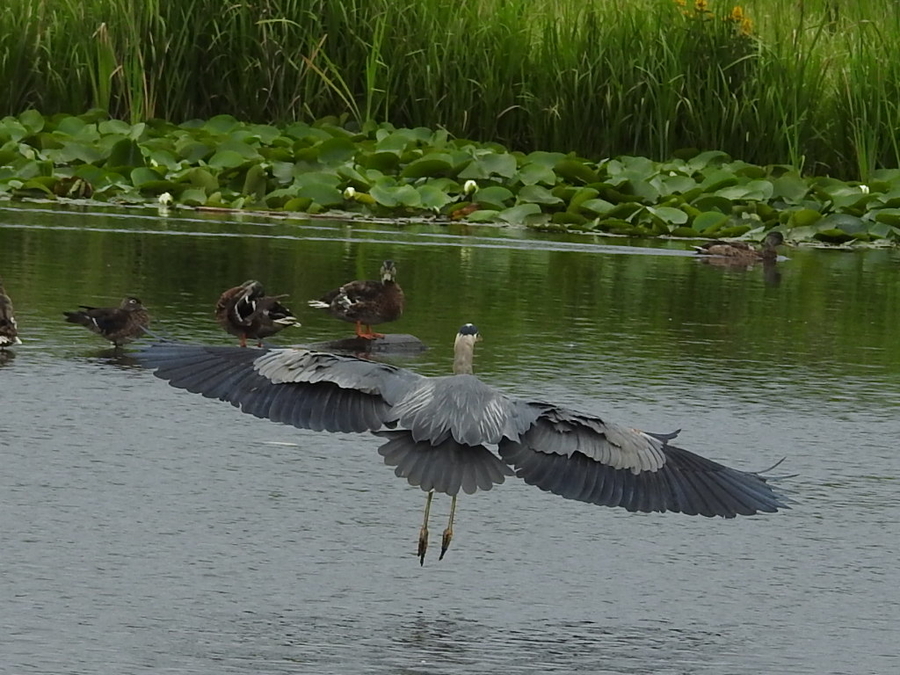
x: 229, y: 374
x: 461, y: 407
x: 443, y: 467
x: 581, y: 457
x: 303, y: 365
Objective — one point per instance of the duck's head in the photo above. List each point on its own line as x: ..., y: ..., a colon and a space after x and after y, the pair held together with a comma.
x: 773, y: 239
x: 131, y: 304
x: 388, y: 271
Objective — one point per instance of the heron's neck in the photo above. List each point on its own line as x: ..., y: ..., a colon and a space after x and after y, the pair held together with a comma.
x: 463, y: 352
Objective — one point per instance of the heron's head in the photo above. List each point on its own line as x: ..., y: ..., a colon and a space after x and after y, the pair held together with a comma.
x: 468, y: 334
x: 388, y: 271
x: 773, y: 239
x: 131, y: 304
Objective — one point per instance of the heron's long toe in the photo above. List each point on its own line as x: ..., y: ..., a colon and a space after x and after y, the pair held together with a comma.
x: 423, y: 544
x: 445, y: 541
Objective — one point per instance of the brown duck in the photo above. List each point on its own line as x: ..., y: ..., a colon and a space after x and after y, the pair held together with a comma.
x: 742, y: 253
x: 246, y: 311
x: 117, y: 324
x: 366, y: 303
x: 9, y: 334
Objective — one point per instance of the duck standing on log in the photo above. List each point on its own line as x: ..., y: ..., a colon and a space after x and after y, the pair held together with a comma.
x: 246, y: 311
x: 366, y: 303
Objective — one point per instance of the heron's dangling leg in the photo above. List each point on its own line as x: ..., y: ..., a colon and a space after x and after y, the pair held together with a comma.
x: 448, y: 533
x: 243, y: 337
x: 423, y: 533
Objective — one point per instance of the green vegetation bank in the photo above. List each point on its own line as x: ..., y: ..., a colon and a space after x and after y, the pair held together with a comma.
x: 791, y: 88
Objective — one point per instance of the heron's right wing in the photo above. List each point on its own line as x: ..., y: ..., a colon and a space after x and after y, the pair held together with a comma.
x: 309, y: 390
x: 582, y: 457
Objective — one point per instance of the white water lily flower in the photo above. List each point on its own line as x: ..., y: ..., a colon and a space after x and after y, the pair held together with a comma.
x: 469, y: 187
x: 165, y: 199
x: 864, y: 189
x: 349, y: 193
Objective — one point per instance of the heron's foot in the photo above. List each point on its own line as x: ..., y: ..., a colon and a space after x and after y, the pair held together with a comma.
x: 243, y: 340
x: 445, y: 541
x: 423, y: 544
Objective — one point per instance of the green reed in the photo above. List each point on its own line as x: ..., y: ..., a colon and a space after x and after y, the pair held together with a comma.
x: 810, y: 83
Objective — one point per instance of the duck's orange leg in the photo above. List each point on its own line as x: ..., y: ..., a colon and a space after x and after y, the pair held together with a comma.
x: 368, y: 334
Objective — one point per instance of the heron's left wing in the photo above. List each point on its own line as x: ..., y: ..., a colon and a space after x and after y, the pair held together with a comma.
x: 581, y: 457
x: 306, y: 389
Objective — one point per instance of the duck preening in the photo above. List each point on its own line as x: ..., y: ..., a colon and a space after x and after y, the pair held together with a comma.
x: 119, y: 325
x: 439, y: 431
x: 366, y: 303
x: 9, y: 330
x: 246, y: 311
x: 741, y: 252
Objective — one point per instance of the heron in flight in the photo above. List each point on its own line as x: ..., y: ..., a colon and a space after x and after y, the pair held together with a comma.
x: 451, y: 433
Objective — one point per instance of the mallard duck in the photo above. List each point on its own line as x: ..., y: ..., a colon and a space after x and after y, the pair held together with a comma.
x: 117, y: 324
x: 9, y: 334
x: 438, y: 430
x: 246, y: 311
x: 741, y: 252
x: 366, y: 303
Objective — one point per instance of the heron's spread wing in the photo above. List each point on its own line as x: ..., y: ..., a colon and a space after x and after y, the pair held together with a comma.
x: 443, y: 467
x: 580, y: 457
x: 370, y: 377
x: 233, y: 374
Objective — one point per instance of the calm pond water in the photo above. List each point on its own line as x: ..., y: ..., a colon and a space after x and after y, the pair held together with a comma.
x: 146, y: 529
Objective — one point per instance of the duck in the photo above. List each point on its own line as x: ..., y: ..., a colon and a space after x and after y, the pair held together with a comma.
x: 246, y: 311
x: 9, y: 329
x: 366, y: 303
x: 741, y: 252
x: 119, y: 325
x: 455, y: 433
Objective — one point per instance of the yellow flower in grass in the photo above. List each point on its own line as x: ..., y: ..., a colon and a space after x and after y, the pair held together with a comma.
x: 737, y: 14
x: 746, y: 26
x: 701, y: 6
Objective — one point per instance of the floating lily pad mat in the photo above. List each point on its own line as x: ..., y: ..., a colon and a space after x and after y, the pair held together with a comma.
x: 382, y: 171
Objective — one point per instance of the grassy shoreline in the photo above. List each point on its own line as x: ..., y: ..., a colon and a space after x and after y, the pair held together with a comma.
x: 812, y: 84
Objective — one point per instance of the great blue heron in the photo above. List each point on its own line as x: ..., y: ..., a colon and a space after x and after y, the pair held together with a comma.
x: 117, y: 324
x: 9, y: 333
x: 438, y: 430
x: 246, y: 311
x: 742, y: 253
x: 366, y: 303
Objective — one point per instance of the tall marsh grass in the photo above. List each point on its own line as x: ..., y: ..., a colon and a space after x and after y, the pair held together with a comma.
x: 813, y: 83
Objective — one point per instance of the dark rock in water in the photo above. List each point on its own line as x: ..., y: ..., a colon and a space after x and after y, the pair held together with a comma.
x: 393, y: 343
